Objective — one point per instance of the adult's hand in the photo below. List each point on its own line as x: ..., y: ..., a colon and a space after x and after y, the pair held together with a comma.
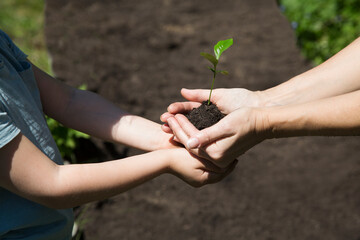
x: 229, y: 138
x: 227, y: 100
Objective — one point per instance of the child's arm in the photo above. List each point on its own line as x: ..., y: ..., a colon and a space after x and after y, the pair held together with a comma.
x: 90, y: 113
x: 26, y: 171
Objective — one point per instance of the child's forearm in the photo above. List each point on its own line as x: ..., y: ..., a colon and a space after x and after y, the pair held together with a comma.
x: 335, y: 116
x: 28, y: 172
x: 83, y: 183
x: 92, y: 114
x: 339, y: 75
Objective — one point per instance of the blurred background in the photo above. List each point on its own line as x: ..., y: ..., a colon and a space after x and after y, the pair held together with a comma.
x: 140, y: 53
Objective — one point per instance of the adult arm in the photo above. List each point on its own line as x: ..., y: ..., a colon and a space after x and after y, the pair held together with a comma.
x: 90, y: 113
x: 246, y: 127
x: 26, y: 171
x: 338, y: 75
x: 334, y: 116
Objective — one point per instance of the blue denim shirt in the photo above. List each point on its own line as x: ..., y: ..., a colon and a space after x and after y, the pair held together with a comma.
x: 21, y: 111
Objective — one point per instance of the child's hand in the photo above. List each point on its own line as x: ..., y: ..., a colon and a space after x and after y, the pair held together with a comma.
x: 194, y: 170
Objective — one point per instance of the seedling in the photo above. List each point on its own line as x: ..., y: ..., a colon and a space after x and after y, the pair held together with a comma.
x: 219, y: 48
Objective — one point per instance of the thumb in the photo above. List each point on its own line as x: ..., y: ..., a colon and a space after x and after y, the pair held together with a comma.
x: 207, y: 136
x: 195, y: 95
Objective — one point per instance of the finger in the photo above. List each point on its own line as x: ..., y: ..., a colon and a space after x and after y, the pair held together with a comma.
x: 176, y: 139
x: 190, y: 130
x: 194, y: 144
x: 216, y: 177
x: 182, y: 107
x: 177, y: 130
x: 196, y: 95
x: 175, y: 142
x: 203, y: 154
x: 165, y: 116
x: 182, y: 137
x: 186, y: 125
x: 165, y: 127
x: 208, y: 135
x: 209, y: 166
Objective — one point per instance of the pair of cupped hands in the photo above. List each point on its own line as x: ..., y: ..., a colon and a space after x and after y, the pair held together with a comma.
x: 241, y: 128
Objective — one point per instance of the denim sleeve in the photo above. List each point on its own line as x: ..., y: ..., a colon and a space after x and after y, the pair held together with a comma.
x: 8, y: 129
x: 18, y: 54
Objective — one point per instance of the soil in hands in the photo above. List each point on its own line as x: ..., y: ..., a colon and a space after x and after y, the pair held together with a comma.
x: 205, y: 115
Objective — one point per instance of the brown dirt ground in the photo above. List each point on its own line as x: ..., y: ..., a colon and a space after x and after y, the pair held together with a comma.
x: 139, y: 54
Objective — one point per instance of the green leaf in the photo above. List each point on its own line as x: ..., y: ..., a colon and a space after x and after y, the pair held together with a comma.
x: 213, y: 70
x: 221, y: 46
x: 224, y: 72
x: 210, y: 57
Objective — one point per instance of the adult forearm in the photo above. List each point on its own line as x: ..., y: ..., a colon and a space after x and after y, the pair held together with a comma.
x: 335, y: 116
x: 339, y: 75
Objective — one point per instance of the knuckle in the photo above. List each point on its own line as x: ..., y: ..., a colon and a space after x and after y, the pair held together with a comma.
x: 227, y: 127
x: 203, y: 180
x: 217, y: 155
x: 206, y: 137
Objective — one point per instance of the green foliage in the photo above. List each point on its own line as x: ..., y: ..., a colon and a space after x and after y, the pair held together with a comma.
x: 219, y: 48
x: 65, y: 138
x: 323, y: 28
x: 23, y: 21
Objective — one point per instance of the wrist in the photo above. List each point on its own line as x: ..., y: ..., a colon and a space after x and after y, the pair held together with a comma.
x: 172, y: 158
x: 286, y: 121
x: 169, y: 156
x: 263, y: 127
x: 283, y: 94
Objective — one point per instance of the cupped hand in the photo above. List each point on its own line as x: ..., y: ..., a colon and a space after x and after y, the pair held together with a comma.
x: 196, y: 171
x: 229, y: 138
x: 227, y: 100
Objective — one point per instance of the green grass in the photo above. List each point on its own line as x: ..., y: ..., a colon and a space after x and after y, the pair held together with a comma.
x: 23, y: 21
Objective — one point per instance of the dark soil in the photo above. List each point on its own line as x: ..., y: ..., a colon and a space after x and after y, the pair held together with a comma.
x: 205, y: 115
x: 139, y: 54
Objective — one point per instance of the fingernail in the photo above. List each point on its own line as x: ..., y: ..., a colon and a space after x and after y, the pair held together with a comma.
x: 192, y: 143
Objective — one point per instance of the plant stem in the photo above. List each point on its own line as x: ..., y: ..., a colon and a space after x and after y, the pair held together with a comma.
x: 212, y: 86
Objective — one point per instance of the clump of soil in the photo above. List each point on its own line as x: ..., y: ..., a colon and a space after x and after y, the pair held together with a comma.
x: 205, y: 115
